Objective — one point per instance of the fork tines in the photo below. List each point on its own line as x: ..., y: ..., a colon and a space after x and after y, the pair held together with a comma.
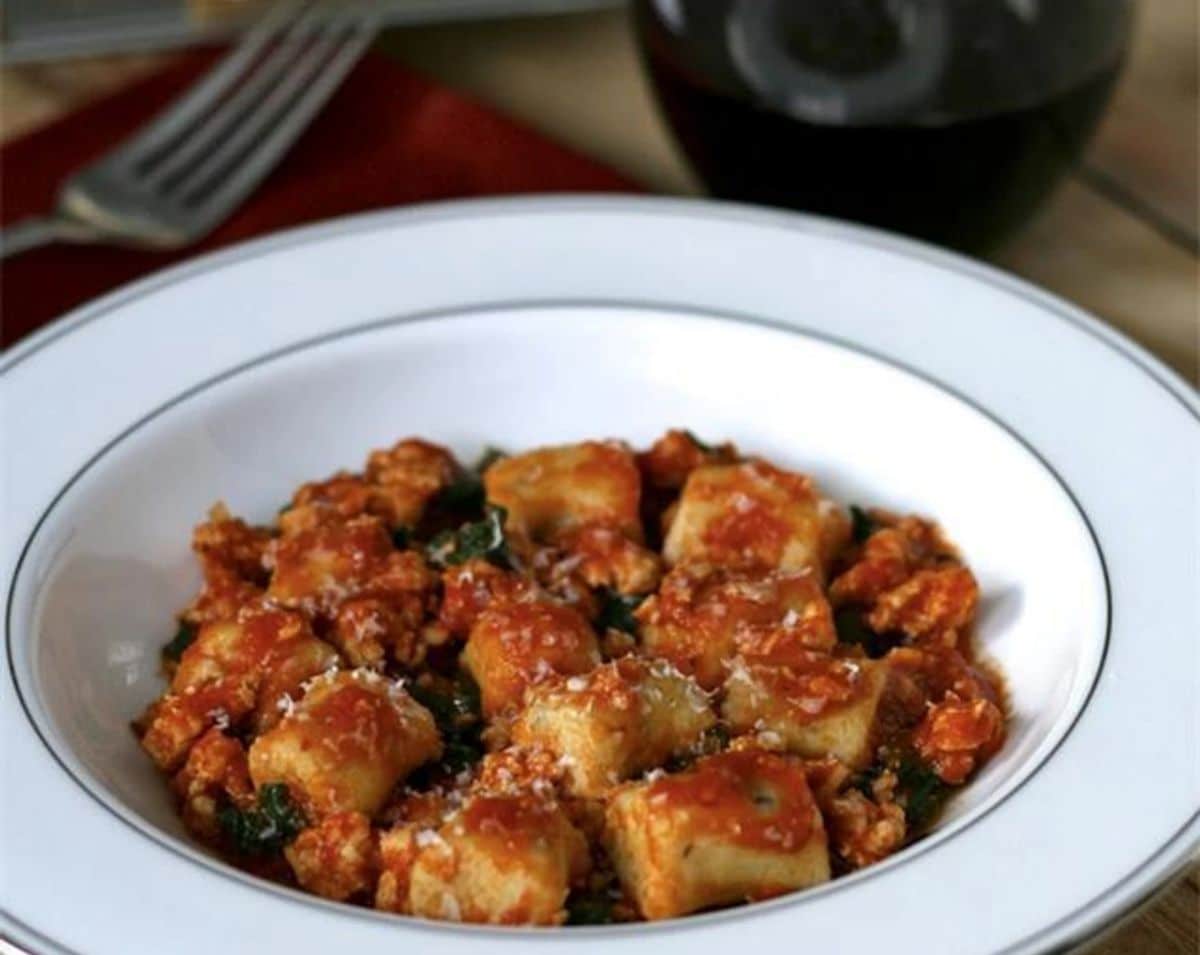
x: 209, y: 149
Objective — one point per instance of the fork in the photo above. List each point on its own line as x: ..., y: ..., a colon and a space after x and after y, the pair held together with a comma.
x: 182, y: 175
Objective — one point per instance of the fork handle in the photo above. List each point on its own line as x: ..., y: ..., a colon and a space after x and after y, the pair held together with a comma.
x: 29, y: 233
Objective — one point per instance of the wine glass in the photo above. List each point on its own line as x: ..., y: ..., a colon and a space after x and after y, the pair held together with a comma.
x: 950, y: 120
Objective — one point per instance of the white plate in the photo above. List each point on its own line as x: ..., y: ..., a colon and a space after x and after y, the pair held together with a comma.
x: 1061, y: 457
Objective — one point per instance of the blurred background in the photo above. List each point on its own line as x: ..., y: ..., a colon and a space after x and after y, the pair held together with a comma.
x: 1057, y: 140
x: 935, y: 126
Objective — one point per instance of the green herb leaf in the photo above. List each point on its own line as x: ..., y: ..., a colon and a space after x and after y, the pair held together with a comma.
x: 864, y: 779
x: 458, y: 754
x: 616, y: 612
x: 266, y: 829
x: 441, y: 546
x: 184, y: 637
x: 464, y: 494
x: 483, y: 538
x: 401, y: 537
x: 862, y: 524
x: 852, y: 628
x: 275, y: 802
x: 489, y: 457
x: 458, y: 713
x: 923, y: 792
x: 589, y: 908
x: 716, y: 738
x: 918, y: 788
x: 468, y: 704
x: 706, y: 448
x: 452, y: 704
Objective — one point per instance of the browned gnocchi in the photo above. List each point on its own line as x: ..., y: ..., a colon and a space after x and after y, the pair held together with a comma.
x: 577, y: 685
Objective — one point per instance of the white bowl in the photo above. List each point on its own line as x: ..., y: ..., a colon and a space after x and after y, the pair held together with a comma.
x: 245, y: 374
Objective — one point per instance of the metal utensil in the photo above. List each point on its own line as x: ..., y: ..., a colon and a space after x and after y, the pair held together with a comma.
x: 179, y: 177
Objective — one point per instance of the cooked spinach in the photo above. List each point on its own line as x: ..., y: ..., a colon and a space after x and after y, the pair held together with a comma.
x: 852, y: 628
x: 463, y: 494
x: 401, y: 536
x: 459, y: 754
x: 466, y: 492
x: 489, y: 457
x: 922, y: 792
x: 865, y: 778
x: 483, y: 538
x: 184, y: 637
x: 616, y: 612
x: 456, y: 709
x: 706, y: 448
x: 267, y: 828
x: 589, y: 908
x: 715, y: 740
x: 452, y: 703
x: 918, y: 788
x: 862, y: 524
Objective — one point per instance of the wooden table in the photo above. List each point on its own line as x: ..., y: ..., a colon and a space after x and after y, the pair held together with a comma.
x: 1119, y: 238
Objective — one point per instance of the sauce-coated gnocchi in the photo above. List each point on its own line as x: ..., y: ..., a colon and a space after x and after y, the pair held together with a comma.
x: 574, y: 685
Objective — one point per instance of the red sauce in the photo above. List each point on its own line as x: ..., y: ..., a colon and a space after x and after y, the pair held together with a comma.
x: 515, y: 645
x: 247, y: 647
x: 956, y: 735
x: 704, y: 616
x: 518, y: 819
x: 757, y: 533
x: 341, y: 497
x: 339, y: 591
x: 676, y: 455
x: 760, y: 510
x: 316, y: 568
x: 611, y: 686
x: 415, y: 464
x: 232, y: 545
x: 811, y: 686
x: 469, y: 589
x: 554, y: 490
x: 607, y: 557
x: 933, y: 604
x: 755, y: 799
x: 353, y: 720
x: 539, y: 630
x: 941, y: 670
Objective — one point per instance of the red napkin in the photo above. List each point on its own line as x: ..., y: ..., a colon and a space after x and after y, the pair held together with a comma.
x: 387, y: 137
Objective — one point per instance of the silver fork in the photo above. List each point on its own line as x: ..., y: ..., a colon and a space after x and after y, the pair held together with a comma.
x: 185, y: 172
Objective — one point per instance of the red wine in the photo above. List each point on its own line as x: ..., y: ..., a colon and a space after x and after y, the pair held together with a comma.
x: 839, y: 120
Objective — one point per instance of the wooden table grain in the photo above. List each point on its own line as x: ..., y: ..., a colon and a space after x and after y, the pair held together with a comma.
x: 1118, y: 238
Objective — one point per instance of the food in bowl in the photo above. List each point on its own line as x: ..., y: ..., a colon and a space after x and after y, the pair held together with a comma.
x: 573, y: 685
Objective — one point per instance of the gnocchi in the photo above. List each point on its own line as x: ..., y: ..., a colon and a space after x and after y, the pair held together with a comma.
x: 575, y: 685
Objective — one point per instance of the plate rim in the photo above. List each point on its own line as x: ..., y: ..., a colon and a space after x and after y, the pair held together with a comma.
x: 1074, y: 926
x: 706, y: 209
x: 94, y: 790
